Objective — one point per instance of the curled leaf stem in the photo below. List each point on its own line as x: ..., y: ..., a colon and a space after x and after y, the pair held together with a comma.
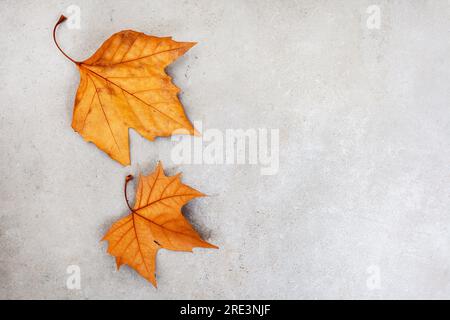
x: 127, y: 179
x: 61, y: 20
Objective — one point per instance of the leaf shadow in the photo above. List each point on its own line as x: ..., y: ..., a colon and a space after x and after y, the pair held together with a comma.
x: 190, y: 212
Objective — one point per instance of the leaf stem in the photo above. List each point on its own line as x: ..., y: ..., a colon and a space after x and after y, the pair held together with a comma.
x: 127, y: 179
x: 61, y: 20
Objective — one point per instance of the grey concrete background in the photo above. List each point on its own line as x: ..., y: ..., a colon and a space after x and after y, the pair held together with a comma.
x: 364, y: 175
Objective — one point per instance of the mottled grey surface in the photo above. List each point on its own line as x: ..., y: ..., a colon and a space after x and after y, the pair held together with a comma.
x: 364, y: 179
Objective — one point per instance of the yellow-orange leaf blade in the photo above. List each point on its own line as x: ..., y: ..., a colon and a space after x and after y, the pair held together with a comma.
x: 155, y: 222
x: 124, y: 85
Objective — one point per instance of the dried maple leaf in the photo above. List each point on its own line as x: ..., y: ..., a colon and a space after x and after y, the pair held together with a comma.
x: 155, y: 222
x: 124, y: 85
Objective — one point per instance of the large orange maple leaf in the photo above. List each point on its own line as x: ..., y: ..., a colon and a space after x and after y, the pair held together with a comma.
x: 154, y: 222
x: 124, y: 85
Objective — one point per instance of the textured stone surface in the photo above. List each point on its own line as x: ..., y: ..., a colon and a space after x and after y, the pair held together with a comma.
x: 363, y: 185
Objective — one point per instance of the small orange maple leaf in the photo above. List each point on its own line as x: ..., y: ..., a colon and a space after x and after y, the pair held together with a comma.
x: 124, y: 85
x: 155, y: 222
